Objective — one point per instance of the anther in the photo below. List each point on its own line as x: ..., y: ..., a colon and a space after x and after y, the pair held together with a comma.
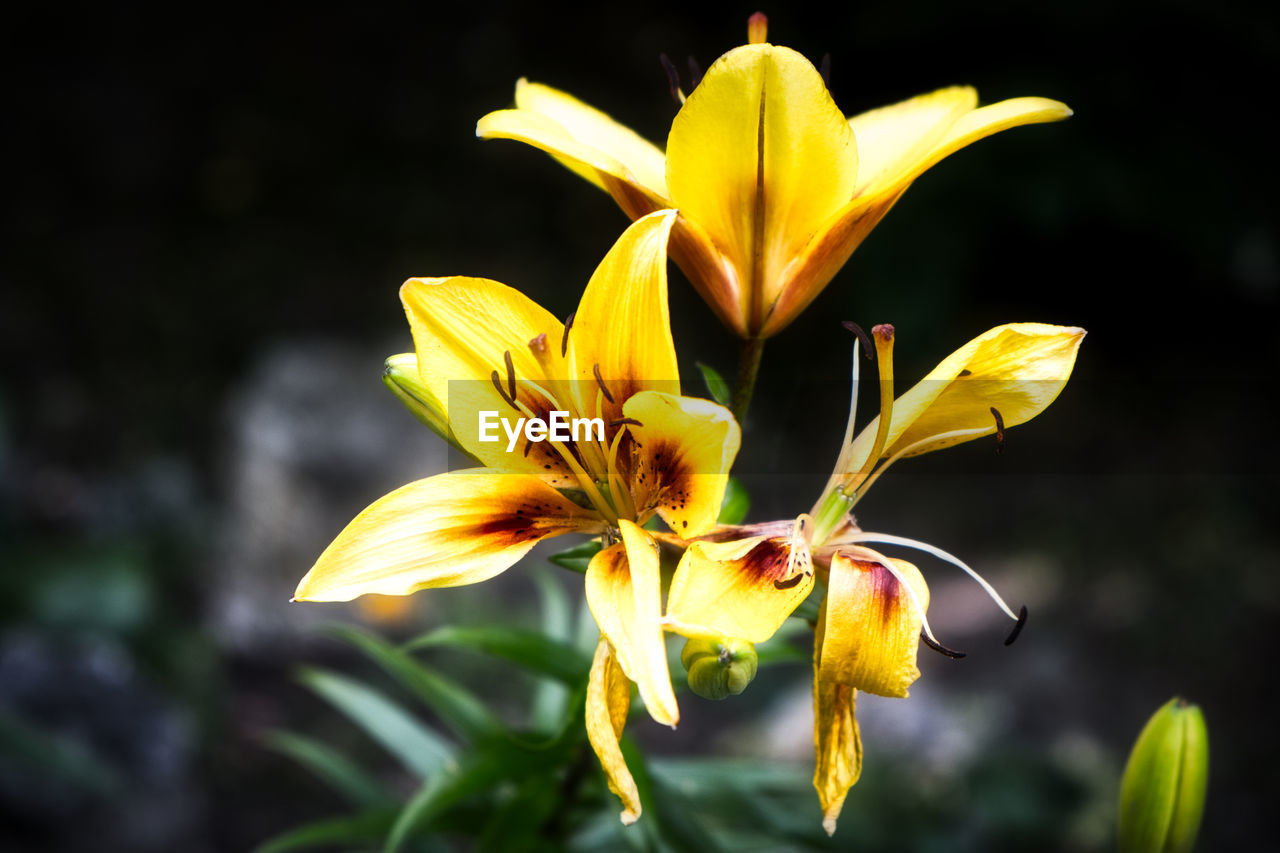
x: 564, y: 341
x: 511, y: 374
x: 502, y: 392
x: 792, y: 581
x: 995, y: 413
x: 673, y: 78
x: 695, y: 74
x: 862, y: 336
x: 966, y: 372
x: 595, y: 368
x: 939, y: 648
x: 825, y: 70
x: 1017, y: 629
x: 621, y: 421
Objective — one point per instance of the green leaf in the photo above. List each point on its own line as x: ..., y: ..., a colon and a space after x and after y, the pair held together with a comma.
x: 418, y: 748
x: 481, y: 770
x: 736, y: 503
x: 366, y: 827
x: 458, y: 707
x: 335, y: 769
x: 548, y: 708
x: 577, y: 558
x: 716, y: 386
x: 529, y: 649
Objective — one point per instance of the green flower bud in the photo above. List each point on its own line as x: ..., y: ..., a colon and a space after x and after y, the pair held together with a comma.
x: 400, y: 374
x: 718, y: 668
x: 1162, y: 795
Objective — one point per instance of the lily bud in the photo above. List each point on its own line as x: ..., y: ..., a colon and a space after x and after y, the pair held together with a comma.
x: 1162, y: 794
x: 400, y: 374
x: 718, y: 668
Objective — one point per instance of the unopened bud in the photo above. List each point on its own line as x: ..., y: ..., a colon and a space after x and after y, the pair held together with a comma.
x: 400, y: 374
x: 1162, y: 794
x: 718, y: 668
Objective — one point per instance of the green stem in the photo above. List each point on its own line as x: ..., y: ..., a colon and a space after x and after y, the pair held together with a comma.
x: 748, y: 369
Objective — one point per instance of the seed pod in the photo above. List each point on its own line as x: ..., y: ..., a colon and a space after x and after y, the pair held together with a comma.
x: 718, y: 668
x: 1162, y: 794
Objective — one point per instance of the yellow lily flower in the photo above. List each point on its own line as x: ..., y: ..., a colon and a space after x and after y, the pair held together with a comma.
x: 775, y: 186
x: 874, y: 612
x: 484, y: 350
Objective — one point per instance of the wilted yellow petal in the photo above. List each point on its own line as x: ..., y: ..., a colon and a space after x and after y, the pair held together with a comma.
x: 873, y: 626
x: 836, y: 741
x: 625, y: 599
x: 447, y: 530
x: 684, y: 449
x: 760, y: 156
x: 743, y: 589
x: 622, y: 331
x: 1018, y: 369
x: 608, y: 698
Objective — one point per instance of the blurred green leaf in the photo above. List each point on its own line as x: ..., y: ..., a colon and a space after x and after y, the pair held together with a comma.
x: 418, y: 748
x: 529, y: 649
x: 367, y: 827
x: 457, y: 706
x: 717, y: 388
x: 516, y: 825
x: 50, y: 755
x: 481, y: 769
x: 550, y: 696
x: 335, y: 769
x: 577, y: 558
x: 736, y: 503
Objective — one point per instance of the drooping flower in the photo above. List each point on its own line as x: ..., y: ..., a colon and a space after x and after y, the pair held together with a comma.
x: 485, y: 353
x: 873, y: 614
x: 775, y: 186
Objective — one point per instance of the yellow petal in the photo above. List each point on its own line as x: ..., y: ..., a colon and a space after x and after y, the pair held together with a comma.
x: 896, y: 144
x: 462, y: 330
x: 760, y: 156
x: 837, y: 742
x: 743, y: 589
x: 447, y: 530
x: 625, y: 599
x: 580, y: 137
x: 622, y: 330
x: 873, y: 626
x: 1018, y: 369
x: 608, y: 698
x: 892, y: 139
x: 684, y: 448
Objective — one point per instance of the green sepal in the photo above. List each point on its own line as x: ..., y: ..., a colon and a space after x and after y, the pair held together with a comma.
x: 577, y: 558
x: 716, y: 386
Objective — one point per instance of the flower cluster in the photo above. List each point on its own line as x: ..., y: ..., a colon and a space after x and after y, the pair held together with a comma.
x: 764, y: 190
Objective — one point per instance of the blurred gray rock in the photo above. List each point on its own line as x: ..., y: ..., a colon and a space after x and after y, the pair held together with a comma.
x: 312, y: 438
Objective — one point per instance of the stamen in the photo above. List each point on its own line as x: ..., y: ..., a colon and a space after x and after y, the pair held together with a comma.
x: 695, y: 74
x: 621, y: 421
x: 1017, y: 629
x: 564, y: 341
x: 999, y: 429
x: 965, y: 372
x: 904, y: 542
x: 673, y: 78
x: 511, y: 373
x: 862, y: 336
x: 939, y: 648
x: 884, y: 362
x: 790, y: 582
x: 799, y: 561
x: 502, y: 392
x: 825, y: 69
x: 595, y: 368
x: 757, y: 28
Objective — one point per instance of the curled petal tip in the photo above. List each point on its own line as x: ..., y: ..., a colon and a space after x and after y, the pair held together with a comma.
x: 829, y: 824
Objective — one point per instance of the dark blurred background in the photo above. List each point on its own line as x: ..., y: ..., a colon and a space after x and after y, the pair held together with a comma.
x: 207, y: 214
